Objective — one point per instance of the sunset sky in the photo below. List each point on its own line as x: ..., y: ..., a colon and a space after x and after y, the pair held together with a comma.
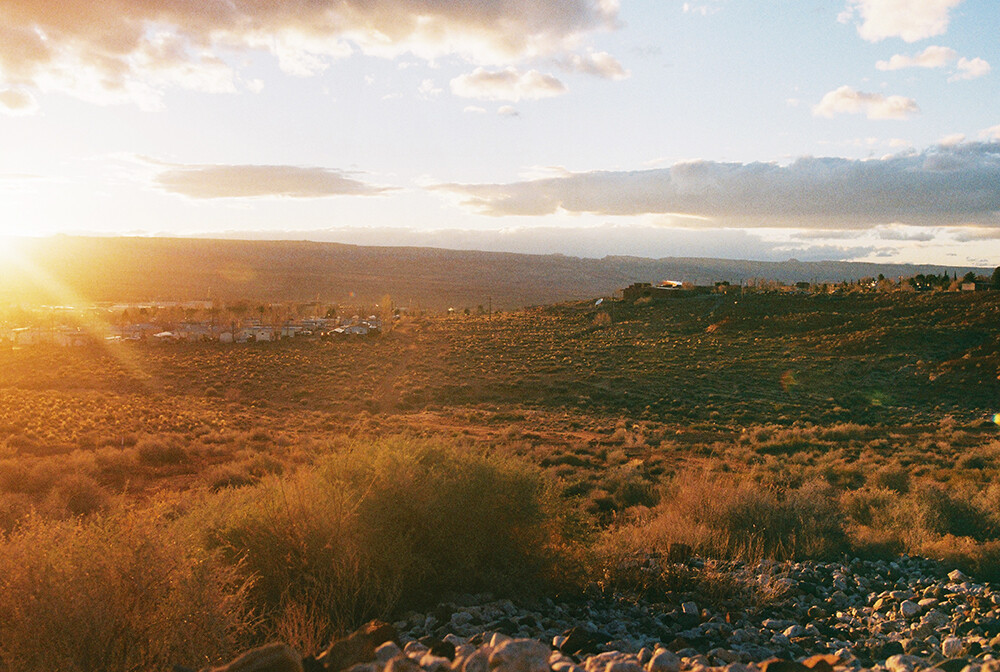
x: 763, y: 129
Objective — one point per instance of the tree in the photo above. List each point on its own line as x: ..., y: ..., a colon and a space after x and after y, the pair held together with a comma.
x: 969, y: 277
x: 995, y: 278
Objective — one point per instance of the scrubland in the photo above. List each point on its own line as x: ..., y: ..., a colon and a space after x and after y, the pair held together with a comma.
x: 179, y: 502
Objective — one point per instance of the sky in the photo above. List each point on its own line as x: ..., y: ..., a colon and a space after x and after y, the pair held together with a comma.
x: 861, y: 130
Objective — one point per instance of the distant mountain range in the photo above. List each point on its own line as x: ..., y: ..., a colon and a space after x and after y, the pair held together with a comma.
x: 68, y: 270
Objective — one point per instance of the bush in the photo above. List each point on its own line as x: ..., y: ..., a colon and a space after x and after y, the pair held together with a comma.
x: 115, y: 593
x: 722, y: 517
x: 393, y: 523
x: 159, y: 452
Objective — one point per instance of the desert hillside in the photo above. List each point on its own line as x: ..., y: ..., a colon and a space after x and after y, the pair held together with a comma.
x: 48, y: 270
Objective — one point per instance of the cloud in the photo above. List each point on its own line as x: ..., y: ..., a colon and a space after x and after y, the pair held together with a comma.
x: 938, y: 57
x: 931, y: 57
x: 508, y: 111
x: 249, y: 181
x: 970, y: 69
x: 600, y: 64
x: 474, y: 109
x: 992, y: 133
x: 910, y: 20
x: 17, y: 102
x: 428, y: 89
x: 507, y: 84
x: 903, y: 232
x: 117, y: 50
x: 846, y: 100
x: 943, y: 185
x: 702, y: 9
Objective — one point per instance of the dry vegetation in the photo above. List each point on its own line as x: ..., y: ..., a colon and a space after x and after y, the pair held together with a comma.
x: 177, y: 502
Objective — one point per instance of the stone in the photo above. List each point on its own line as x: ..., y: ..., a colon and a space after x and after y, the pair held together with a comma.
x: 663, y: 660
x: 358, y: 647
x: 478, y: 661
x: 401, y: 664
x: 275, y: 657
x: 953, y: 665
x: 386, y: 652
x: 415, y: 649
x: 690, y: 609
x: 520, y: 655
x: 908, y: 609
x: 952, y: 647
x: 821, y: 662
x: 903, y: 663
x: 580, y: 640
x: 957, y: 576
x: 781, y: 665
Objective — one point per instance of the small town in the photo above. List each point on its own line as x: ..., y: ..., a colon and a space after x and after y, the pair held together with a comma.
x: 182, y: 322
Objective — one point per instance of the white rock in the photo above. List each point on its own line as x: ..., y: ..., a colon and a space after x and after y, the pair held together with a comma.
x: 478, y: 661
x: 566, y: 666
x: 952, y: 647
x: 956, y: 576
x: 664, y: 660
x: 432, y: 663
x: 644, y: 655
x: 520, y: 655
x: 908, y: 608
x: 902, y: 662
x: 414, y: 650
x: 499, y: 638
x: 386, y: 652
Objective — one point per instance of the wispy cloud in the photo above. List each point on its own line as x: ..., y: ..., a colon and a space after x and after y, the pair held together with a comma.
x: 910, y: 20
x: 251, y: 181
x: 931, y: 57
x: 846, y: 100
x: 17, y: 102
x: 943, y: 185
x: 600, y: 64
x: 939, y: 57
x: 970, y: 69
x: 507, y: 84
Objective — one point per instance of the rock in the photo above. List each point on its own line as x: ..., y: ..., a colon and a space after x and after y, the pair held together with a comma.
x: 431, y: 663
x: 690, y: 609
x: 499, y: 638
x: 663, y: 660
x: 780, y: 665
x: 401, y: 663
x: 358, y: 647
x: 952, y: 647
x: 903, y: 663
x: 415, y: 650
x: 953, y: 665
x: 520, y: 655
x: 580, y: 640
x: 275, y: 657
x: 956, y: 576
x: 478, y: 661
x: 386, y: 652
x: 821, y: 662
x: 908, y: 609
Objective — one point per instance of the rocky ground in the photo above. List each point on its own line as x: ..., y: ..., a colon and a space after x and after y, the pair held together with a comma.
x: 782, y: 617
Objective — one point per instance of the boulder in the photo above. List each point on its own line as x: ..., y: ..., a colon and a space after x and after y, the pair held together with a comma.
x: 358, y: 647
